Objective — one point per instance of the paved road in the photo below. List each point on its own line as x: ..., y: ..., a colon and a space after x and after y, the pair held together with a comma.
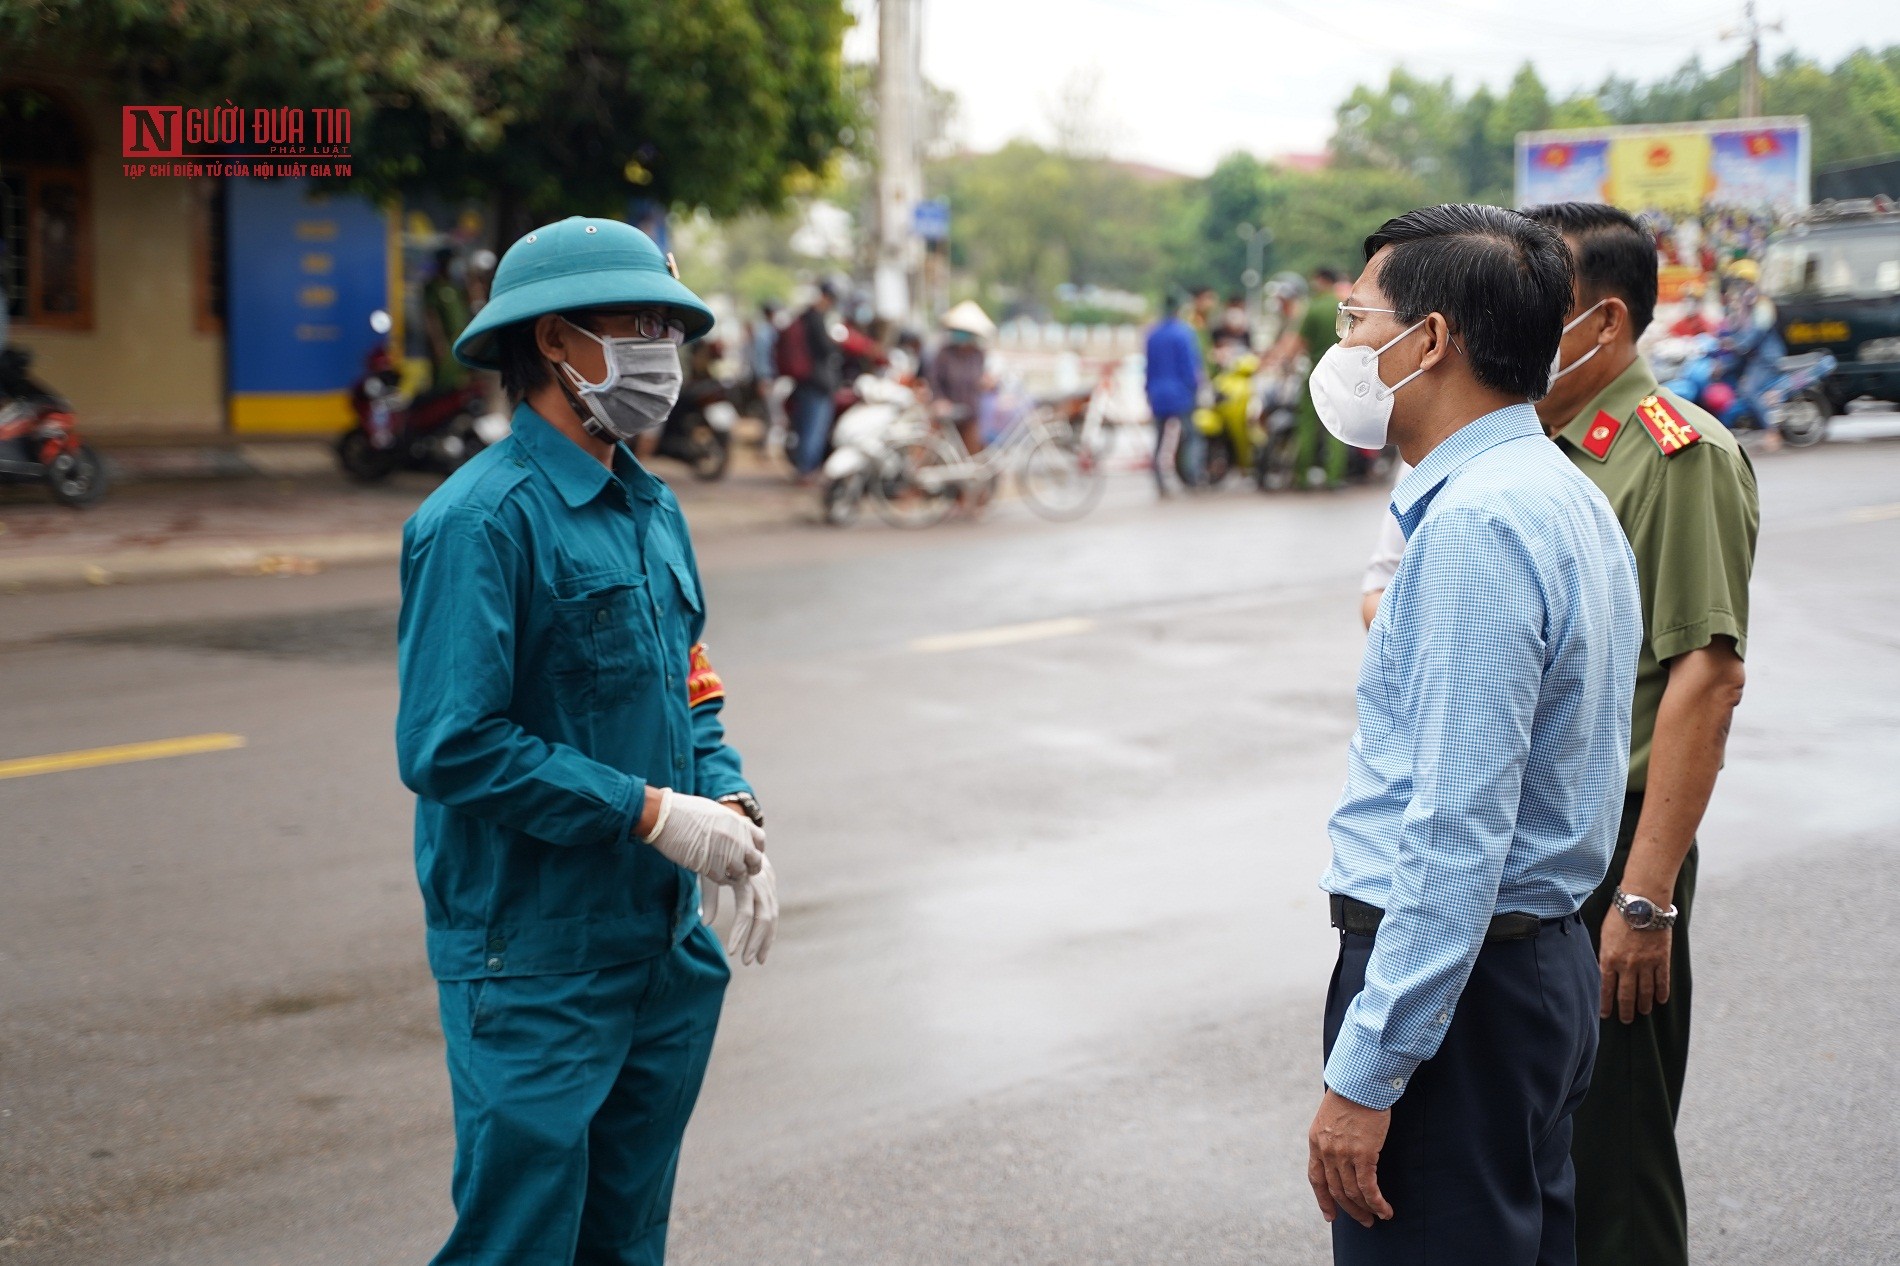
x: 1048, y: 984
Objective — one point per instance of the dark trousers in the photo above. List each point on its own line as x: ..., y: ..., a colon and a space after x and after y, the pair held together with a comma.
x: 1630, y: 1202
x: 811, y: 410
x: 1476, y: 1164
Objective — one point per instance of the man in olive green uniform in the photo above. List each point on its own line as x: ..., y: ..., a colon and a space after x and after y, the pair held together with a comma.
x: 1313, y: 336
x: 1685, y: 495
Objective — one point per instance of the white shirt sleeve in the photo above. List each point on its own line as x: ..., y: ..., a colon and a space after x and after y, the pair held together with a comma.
x: 1389, y: 548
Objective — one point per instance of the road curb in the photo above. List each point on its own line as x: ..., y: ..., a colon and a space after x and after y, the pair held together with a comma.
x: 293, y: 557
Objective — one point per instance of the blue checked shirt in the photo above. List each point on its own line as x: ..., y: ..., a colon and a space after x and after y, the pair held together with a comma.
x: 1494, y: 723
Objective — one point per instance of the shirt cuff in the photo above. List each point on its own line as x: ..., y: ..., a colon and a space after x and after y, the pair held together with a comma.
x: 627, y: 810
x: 1696, y: 634
x: 1368, y: 1076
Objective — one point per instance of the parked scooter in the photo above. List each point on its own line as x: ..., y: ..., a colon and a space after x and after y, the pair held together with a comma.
x: 435, y: 431
x: 39, y: 437
x: 1227, y: 426
x: 864, y: 445
x: 1276, y: 453
x: 699, y: 429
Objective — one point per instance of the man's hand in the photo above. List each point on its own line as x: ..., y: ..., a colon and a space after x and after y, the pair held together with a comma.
x: 1635, y: 968
x: 755, y: 918
x: 1343, y: 1159
x: 705, y: 838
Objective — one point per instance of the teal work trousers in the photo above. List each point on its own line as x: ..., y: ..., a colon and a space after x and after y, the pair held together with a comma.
x: 571, y: 1094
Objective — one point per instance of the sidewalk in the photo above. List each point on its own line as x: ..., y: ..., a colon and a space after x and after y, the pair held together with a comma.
x: 285, y: 510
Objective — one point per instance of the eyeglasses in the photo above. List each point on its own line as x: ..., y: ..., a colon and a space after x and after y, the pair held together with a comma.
x: 1348, y: 316
x: 652, y: 324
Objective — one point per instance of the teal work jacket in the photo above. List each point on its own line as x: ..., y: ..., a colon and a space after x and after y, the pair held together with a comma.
x: 551, y: 667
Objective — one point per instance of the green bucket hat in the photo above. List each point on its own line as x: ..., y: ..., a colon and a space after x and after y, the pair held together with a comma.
x: 576, y: 263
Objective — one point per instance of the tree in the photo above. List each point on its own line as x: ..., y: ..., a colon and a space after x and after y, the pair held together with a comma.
x: 549, y: 105
x: 1025, y: 219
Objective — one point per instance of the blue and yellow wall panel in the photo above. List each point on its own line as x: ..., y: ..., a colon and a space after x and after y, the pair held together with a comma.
x: 304, y: 272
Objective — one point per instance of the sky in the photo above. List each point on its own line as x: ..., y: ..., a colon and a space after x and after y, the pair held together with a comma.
x: 1179, y: 83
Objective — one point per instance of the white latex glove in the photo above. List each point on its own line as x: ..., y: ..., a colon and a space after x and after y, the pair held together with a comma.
x: 755, y: 922
x: 707, y: 838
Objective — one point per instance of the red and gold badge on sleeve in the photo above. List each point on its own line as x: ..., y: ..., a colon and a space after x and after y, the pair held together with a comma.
x: 702, y: 683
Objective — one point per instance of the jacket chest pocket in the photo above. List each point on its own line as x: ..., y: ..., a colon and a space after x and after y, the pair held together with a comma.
x: 601, y: 652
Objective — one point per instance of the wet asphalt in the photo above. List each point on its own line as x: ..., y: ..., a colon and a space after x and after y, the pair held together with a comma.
x: 1047, y: 987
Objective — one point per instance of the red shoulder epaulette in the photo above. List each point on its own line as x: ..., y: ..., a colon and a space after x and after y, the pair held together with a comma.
x: 1671, y: 431
x: 1602, y: 434
x: 702, y: 683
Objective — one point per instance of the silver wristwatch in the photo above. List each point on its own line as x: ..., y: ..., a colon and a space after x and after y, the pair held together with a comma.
x: 1642, y: 915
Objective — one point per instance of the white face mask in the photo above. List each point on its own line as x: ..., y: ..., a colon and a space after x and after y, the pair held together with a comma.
x: 640, y: 390
x: 1557, y: 367
x: 1351, y: 399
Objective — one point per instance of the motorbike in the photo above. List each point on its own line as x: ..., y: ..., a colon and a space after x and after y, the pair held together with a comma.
x: 39, y: 437
x: 699, y: 429
x: 865, y: 445
x: 434, y: 431
x: 1277, y: 428
x: 1227, y: 425
x: 1703, y: 370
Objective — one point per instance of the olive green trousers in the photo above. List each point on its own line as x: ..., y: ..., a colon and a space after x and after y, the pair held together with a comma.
x: 1631, y: 1210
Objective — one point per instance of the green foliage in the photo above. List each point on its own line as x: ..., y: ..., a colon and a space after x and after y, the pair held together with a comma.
x: 1317, y: 218
x: 551, y: 106
x: 1025, y: 219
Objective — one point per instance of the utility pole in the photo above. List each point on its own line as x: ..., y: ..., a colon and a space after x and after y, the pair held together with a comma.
x: 1751, y: 30
x: 899, y: 173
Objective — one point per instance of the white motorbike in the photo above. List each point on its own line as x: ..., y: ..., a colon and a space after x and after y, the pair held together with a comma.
x: 867, y: 443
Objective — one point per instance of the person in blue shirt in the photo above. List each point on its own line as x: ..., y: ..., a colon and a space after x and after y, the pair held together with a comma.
x: 560, y: 725
x: 1485, y: 782
x: 1175, y: 375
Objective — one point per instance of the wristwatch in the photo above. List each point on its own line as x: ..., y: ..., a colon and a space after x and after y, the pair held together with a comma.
x: 746, y: 804
x: 1642, y: 915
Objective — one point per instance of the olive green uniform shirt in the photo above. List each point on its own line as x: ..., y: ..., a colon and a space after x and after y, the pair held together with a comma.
x: 1691, y: 518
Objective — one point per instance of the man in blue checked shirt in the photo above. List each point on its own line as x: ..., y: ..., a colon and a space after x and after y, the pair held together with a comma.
x: 1485, y: 782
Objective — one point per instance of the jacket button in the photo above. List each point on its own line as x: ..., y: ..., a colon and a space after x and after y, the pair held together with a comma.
x: 679, y: 762
x: 600, y: 616
x: 497, y: 945
x: 494, y: 964
x: 669, y: 681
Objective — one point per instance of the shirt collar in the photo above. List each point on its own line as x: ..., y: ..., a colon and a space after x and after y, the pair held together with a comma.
x: 1415, y: 492
x: 1619, y: 400
x: 575, y: 474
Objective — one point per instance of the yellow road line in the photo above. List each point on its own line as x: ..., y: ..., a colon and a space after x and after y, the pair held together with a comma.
x: 1874, y: 514
x: 94, y: 756
x: 1003, y: 635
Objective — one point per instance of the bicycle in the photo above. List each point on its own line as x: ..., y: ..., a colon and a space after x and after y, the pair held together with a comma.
x: 1058, y: 466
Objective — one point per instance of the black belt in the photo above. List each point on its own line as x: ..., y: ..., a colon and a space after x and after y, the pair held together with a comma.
x: 1363, y: 920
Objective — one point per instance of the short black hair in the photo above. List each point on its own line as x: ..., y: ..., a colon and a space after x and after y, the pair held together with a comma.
x: 1326, y: 276
x: 1615, y: 255
x: 1501, y: 280
x: 522, y: 366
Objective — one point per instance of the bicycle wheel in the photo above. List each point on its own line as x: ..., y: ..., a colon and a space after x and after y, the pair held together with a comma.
x: 1061, y: 479
x: 912, y: 490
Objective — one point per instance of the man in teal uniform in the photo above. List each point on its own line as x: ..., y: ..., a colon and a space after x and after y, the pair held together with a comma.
x: 560, y: 726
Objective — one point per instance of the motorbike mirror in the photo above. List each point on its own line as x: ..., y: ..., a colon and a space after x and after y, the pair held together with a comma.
x: 379, y: 321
